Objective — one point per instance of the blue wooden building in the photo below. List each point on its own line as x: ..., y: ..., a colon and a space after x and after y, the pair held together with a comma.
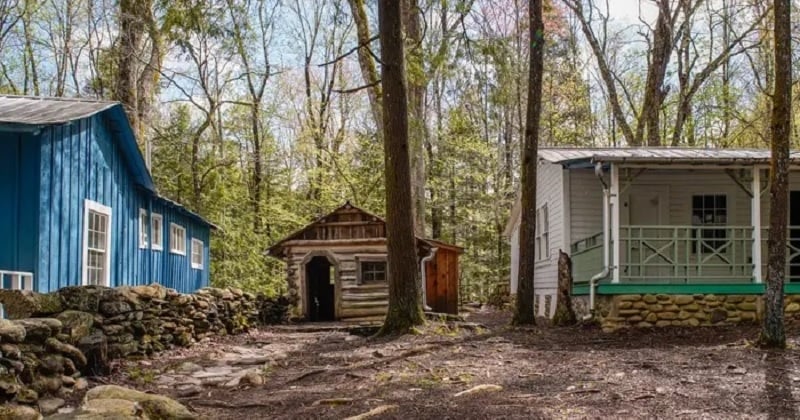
x: 78, y: 205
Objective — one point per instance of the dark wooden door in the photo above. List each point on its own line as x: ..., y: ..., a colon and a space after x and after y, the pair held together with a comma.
x: 321, y: 290
x: 794, y: 235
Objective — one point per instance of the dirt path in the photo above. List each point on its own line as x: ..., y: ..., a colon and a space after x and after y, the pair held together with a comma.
x: 543, y: 372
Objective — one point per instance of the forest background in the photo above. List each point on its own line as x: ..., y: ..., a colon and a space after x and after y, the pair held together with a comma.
x: 262, y: 115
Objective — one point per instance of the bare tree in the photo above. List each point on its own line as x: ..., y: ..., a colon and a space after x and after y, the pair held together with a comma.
x: 366, y: 61
x: 256, y: 71
x: 405, y: 293
x: 772, y: 333
x: 527, y: 229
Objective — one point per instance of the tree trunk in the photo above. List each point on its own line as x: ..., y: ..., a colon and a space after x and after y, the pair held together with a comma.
x: 405, y: 293
x: 773, y: 334
x: 416, y: 99
x: 654, y: 92
x: 527, y: 230
x: 564, y: 314
x: 131, y: 31
x: 366, y: 63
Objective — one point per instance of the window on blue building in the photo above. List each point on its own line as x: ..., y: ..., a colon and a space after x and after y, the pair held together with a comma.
x: 177, y: 239
x: 197, y: 253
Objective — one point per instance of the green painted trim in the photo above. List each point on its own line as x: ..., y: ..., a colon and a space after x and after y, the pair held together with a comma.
x: 681, y: 289
x: 580, y: 289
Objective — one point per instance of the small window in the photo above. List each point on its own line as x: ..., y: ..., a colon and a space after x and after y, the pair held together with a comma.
x: 197, y: 253
x: 143, y: 228
x: 709, y: 210
x: 542, y: 234
x: 373, y: 271
x: 177, y: 239
x: 158, y: 235
x: 96, y: 244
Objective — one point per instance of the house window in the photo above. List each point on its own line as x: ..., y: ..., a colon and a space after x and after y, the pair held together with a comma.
x: 542, y: 234
x: 143, y: 228
x: 372, y: 271
x: 177, y: 239
x: 709, y: 210
x: 197, y: 253
x: 96, y: 244
x: 158, y: 235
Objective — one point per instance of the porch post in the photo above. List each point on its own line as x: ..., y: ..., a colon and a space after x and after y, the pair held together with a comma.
x: 755, y: 221
x: 615, y: 243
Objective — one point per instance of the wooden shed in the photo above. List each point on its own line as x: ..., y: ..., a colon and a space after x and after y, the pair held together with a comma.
x: 336, y: 268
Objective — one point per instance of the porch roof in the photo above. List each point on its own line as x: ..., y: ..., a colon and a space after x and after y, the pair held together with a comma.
x: 583, y: 157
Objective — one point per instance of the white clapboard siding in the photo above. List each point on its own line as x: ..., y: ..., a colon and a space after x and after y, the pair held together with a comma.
x: 549, y: 190
x: 585, y: 204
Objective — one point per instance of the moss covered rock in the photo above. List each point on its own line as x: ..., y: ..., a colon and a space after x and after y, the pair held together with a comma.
x: 76, y: 324
x: 11, y: 332
x: 154, y: 406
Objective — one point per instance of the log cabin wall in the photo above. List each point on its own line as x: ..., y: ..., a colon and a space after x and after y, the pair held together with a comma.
x: 356, y: 301
x: 353, y: 242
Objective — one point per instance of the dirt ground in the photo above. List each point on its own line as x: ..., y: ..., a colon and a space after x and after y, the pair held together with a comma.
x: 544, y: 372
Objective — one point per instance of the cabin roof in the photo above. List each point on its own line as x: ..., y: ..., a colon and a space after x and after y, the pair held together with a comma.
x: 578, y: 157
x: 31, y: 110
x: 276, y: 250
x: 31, y: 113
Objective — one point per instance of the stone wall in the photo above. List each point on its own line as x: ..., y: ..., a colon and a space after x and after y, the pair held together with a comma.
x: 36, y: 363
x: 663, y: 310
x: 77, y: 330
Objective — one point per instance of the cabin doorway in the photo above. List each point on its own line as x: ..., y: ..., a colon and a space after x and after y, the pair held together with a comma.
x: 794, y: 236
x: 320, y: 290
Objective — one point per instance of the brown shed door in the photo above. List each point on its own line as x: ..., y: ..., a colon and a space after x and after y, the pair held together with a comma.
x: 442, y: 282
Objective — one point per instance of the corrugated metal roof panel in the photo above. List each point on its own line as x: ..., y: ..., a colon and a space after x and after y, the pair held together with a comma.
x: 29, y: 110
x: 34, y: 111
x: 659, y: 155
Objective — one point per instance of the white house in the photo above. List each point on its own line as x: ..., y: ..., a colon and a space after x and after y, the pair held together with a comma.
x: 655, y: 220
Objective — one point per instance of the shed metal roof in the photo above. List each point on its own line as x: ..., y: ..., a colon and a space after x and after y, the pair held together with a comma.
x: 30, y: 110
x: 659, y: 155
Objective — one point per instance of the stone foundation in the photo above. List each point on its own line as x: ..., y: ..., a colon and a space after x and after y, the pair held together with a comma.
x: 55, y: 337
x: 661, y: 310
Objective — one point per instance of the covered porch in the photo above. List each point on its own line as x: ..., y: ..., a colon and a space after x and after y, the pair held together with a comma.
x: 679, y: 225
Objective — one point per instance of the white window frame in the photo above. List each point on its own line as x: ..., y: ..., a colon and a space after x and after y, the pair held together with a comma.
x: 196, y: 243
x: 172, y: 248
x: 158, y: 236
x: 143, y: 233
x: 88, y: 207
x: 542, y: 233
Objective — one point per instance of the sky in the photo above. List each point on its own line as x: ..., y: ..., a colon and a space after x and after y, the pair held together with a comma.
x: 628, y: 10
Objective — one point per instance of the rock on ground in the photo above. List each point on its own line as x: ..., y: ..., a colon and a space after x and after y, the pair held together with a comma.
x: 112, y: 401
x: 480, y: 388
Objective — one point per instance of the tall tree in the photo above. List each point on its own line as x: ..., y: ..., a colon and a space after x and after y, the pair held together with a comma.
x: 416, y: 99
x: 405, y: 293
x: 527, y: 229
x: 772, y: 333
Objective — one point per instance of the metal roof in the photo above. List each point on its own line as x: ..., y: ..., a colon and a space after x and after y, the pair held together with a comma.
x: 33, y: 113
x: 31, y: 110
x: 659, y: 155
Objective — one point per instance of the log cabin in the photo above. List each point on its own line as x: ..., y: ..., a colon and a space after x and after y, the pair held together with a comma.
x: 336, y: 268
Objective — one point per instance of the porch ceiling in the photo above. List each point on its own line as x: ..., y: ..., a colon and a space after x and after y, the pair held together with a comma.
x: 577, y: 157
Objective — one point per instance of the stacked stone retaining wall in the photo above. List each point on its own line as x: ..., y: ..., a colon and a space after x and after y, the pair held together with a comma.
x: 664, y: 310
x: 53, y: 338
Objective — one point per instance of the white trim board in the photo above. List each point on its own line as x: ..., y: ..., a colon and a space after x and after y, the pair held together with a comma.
x: 89, y: 205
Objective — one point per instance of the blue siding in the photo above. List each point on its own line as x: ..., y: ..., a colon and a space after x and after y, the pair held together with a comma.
x: 19, y: 193
x: 83, y: 160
